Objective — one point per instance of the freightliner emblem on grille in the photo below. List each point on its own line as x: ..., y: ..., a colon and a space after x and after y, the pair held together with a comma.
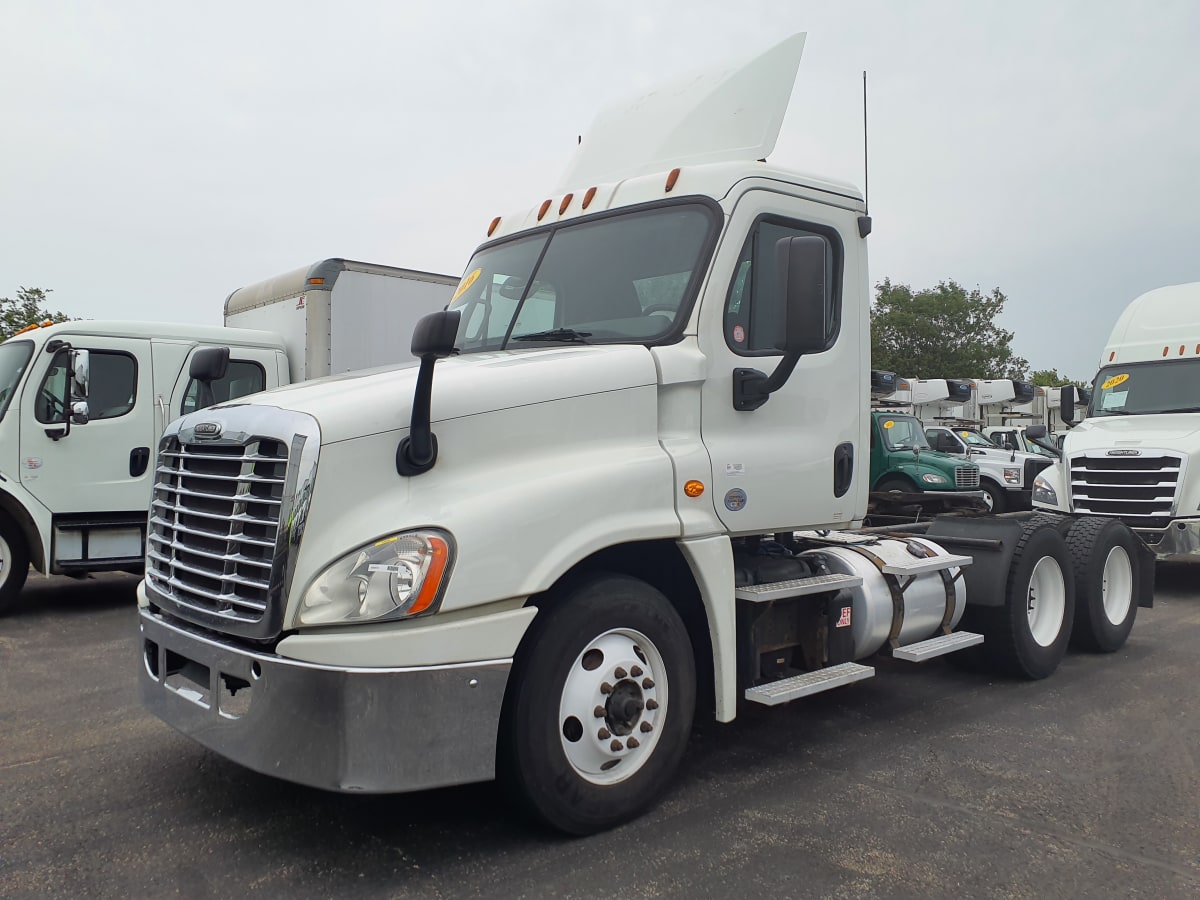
x: 1124, y: 452
x: 208, y: 429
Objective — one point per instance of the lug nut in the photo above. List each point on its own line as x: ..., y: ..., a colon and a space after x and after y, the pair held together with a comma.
x: 604, y: 734
x: 647, y: 728
x: 599, y: 712
x: 620, y: 673
x: 636, y: 671
x: 633, y: 743
x: 651, y: 704
x: 648, y: 683
x: 606, y: 688
x: 616, y: 746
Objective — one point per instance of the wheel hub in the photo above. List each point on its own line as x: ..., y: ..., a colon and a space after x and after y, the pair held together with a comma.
x: 624, y: 707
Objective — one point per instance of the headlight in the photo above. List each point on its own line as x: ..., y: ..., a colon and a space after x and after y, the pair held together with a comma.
x: 400, y: 576
x: 931, y: 478
x: 1012, y: 476
x: 1042, y: 492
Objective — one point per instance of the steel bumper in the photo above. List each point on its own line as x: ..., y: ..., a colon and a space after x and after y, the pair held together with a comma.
x: 342, y: 729
x: 1178, y: 542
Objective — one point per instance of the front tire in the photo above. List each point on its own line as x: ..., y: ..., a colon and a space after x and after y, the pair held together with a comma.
x: 1105, y: 604
x: 600, y: 704
x: 14, y: 562
x: 997, y: 497
x: 897, y: 484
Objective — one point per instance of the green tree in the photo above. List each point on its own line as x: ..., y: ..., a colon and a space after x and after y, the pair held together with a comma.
x: 941, y: 332
x: 28, y: 308
x: 1051, y: 378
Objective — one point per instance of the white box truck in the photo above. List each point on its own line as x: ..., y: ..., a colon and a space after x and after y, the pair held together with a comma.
x: 83, y: 404
x: 613, y: 498
x: 1134, y: 454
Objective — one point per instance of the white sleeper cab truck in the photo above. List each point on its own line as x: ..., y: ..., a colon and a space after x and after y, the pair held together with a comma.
x: 620, y: 488
x: 82, y: 407
x: 1136, y: 453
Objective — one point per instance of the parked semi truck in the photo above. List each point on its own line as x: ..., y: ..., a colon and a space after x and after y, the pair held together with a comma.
x: 609, y: 496
x: 83, y: 404
x: 1133, y: 455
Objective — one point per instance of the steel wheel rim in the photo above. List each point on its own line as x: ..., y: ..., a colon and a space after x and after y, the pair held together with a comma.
x: 1116, y: 585
x: 1046, y: 601
x: 5, y: 561
x: 598, y: 712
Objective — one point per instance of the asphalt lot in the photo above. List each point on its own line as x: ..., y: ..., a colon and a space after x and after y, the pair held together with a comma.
x: 924, y: 781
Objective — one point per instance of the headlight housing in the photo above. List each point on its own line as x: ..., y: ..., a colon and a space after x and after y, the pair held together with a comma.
x: 1043, y: 492
x: 397, y: 577
x: 1012, y: 475
x: 933, y: 478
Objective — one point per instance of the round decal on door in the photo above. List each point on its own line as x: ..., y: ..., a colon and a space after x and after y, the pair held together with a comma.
x: 735, y: 499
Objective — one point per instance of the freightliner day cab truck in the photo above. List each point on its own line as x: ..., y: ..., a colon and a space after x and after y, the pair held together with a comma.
x: 609, y: 497
x: 1133, y: 456
x: 74, y: 488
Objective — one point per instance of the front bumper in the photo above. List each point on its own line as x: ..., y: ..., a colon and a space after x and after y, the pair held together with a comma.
x: 342, y: 729
x: 1178, y: 542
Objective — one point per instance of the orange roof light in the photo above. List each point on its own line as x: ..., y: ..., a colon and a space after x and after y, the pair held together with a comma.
x: 1166, y: 350
x: 694, y: 488
x: 671, y: 179
x: 1181, y: 349
x: 1112, y: 356
x: 542, y: 211
x: 566, y: 201
x: 495, y: 224
x: 316, y: 281
x: 587, y: 198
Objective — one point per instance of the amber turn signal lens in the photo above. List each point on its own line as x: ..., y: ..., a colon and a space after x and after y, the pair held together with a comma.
x: 495, y: 224
x: 694, y: 488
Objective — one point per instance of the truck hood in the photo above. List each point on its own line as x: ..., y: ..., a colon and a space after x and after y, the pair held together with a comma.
x: 1179, y: 431
x: 379, y: 400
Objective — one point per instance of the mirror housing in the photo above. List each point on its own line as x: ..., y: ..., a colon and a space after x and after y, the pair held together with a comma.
x: 803, y: 274
x: 1033, y: 432
x: 432, y: 339
x: 208, y: 364
x: 79, y: 412
x: 1038, y: 435
x: 1066, y: 403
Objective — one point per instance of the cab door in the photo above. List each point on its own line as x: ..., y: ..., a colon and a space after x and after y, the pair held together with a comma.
x: 100, y: 466
x: 800, y: 459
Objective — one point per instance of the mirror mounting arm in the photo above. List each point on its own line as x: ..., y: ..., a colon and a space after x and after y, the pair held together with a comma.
x: 752, y: 388
x: 433, y: 339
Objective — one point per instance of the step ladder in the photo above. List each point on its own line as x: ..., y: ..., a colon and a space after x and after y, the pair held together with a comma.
x: 937, y: 646
x: 788, y: 689
x: 796, y: 587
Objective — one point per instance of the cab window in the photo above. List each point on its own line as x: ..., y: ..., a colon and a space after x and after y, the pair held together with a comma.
x: 112, y: 388
x: 243, y: 377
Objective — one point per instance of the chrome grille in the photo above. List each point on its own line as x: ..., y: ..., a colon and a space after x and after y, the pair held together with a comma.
x: 214, y: 525
x: 966, y: 476
x: 1139, y: 489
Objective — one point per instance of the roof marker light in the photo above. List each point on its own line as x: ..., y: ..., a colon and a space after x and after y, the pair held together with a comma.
x: 542, y: 211
x: 1181, y: 349
x: 587, y: 198
x: 566, y: 201
x: 1166, y: 350
x: 1113, y: 355
x: 671, y: 179
x: 495, y: 224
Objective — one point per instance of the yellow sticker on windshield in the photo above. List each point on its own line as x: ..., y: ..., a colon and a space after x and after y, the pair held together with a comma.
x: 888, y: 424
x: 466, y: 283
x: 965, y: 434
x: 1114, y: 381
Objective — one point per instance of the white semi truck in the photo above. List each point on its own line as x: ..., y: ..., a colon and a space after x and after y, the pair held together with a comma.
x: 609, y: 497
x: 83, y: 404
x: 1133, y: 456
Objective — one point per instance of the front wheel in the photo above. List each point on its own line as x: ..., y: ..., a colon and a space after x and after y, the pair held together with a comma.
x: 995, y: 496
x: 14, y: 562
x: 600, y: 705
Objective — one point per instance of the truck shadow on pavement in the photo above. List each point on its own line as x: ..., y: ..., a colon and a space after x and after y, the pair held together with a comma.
x: 58, y: 594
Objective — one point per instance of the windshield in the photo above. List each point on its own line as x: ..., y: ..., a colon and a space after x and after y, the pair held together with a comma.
x: 14, y: 356
x: 903, y: 433
x: 626, y: 278
x: 974, y: 438
x: 1147, y: 388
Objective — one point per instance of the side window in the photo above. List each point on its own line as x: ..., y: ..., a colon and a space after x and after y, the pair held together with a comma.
x: 243, y: 377
x: 112, y: 389
x: 755, y: 312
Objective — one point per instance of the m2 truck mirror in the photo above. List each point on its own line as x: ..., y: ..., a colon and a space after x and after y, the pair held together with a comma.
x: 804, y: 273
x: 1066, y: 403
x: 80, y: 374
x: 208, y: 364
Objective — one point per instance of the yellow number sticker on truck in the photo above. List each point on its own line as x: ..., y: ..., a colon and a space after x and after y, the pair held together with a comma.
x: 1114, y: 381
x: 888, y: 424
x: 465, y: 284
x: 965, y: 434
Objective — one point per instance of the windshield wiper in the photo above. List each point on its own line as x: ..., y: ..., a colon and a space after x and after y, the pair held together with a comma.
x: 568, y: 335
x: 1163, y: 412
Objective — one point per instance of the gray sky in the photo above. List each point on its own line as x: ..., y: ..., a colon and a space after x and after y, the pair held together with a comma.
x: 155, y: 156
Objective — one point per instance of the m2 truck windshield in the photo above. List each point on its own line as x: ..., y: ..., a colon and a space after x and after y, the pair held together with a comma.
x: 1147, y: 388
x: 903, y: 433
x: 624, y: 278
x: 974, y: 438
x: 14, y: 356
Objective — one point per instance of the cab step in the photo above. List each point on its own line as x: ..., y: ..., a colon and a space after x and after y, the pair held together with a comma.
x: 796, y: 587
x: 937, y: 646
x: 921, y: 565
x: 786, y: 689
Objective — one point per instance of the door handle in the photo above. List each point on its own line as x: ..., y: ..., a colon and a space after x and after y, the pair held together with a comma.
x: 139, y: 459
x: 843, y: 468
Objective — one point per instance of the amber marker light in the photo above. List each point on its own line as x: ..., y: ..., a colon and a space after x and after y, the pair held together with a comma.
x: 587, y: 198
x: 566, y: 201
x: 1181, y: 349
x: 694, y: 488
x: 1112, y: 356
x: 1166, y: 350
x: 671, y: 179
x: 542, y: 211
x: 316, y: 281
x: 433, y: 577
x: 495, y: 224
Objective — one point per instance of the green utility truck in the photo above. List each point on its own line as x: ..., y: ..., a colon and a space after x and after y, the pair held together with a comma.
x: 902, y: 460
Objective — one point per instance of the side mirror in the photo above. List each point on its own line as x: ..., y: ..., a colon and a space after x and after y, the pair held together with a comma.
x: 208, y: 364
x: 1066, y: 403
x: 79, y: 412
x: 432, y: 339
x: 802, y: 272
x: 1033, y: 432
x: 81, y: 374
x: 1038, y: 435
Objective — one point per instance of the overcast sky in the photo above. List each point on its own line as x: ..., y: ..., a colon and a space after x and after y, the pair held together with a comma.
x: 155, y: 156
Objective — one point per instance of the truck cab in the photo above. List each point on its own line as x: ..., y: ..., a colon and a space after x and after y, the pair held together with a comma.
x: 902, y: 458
x: 1005, y: 476
x: 82, y: 406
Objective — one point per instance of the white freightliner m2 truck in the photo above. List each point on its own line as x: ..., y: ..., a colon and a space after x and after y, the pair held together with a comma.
x: 607, y: 497
x: 1133, y: 456
x: 74, y: 488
